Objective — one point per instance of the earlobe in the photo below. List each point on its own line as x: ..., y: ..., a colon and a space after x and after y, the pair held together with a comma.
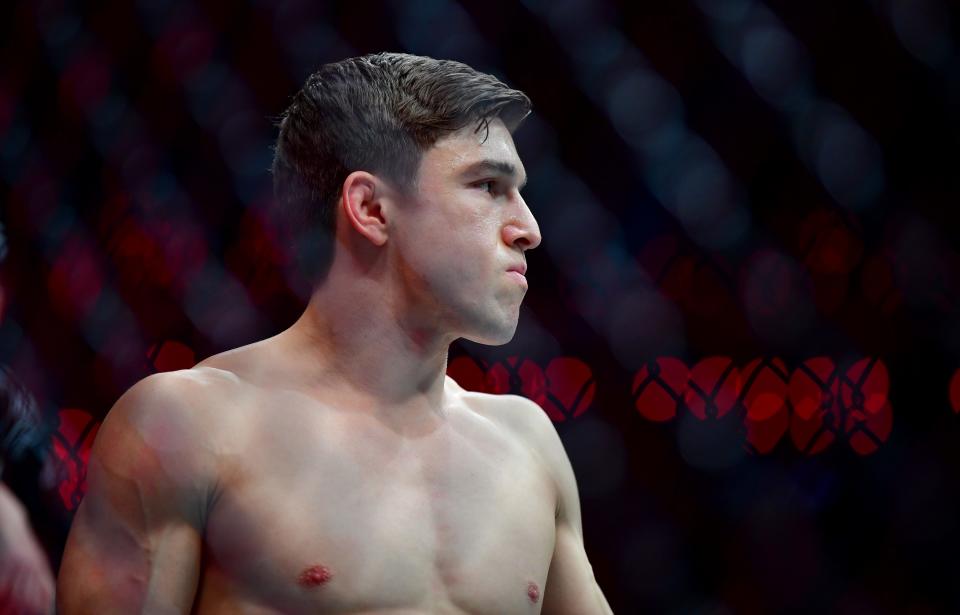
x: 361, y: 202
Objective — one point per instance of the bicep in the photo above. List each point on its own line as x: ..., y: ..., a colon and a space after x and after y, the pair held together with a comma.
x: 118, y: 561
x: 135, y: 542
x: 571, y: 587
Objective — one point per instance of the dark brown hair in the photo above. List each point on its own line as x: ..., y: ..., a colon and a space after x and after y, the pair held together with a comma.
x: 376, y: 113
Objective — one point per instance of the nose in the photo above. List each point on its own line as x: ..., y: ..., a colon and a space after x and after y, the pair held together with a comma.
x: 522, y: 230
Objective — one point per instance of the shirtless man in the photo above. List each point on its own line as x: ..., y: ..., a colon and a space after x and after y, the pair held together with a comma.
x: 334, y: 468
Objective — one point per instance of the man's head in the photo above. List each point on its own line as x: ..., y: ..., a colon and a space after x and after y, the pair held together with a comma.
x: 376, y: 113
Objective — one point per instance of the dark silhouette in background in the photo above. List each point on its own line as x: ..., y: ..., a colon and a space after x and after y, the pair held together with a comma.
x: 29, y: 473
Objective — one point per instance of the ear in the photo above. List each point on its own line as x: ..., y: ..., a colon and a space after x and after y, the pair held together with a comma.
x: 362, y: 205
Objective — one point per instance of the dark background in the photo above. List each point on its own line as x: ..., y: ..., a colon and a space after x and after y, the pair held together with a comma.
x: 732, y: 179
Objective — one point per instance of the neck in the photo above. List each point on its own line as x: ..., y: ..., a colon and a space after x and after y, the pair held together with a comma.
x: 352, y: 341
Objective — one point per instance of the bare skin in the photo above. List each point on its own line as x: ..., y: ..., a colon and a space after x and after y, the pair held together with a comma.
x: 334, y: 468
x: 26, y: 583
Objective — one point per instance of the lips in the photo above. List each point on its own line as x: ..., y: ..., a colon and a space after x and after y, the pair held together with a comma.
x: 517, y: 272
x: 519, y: 277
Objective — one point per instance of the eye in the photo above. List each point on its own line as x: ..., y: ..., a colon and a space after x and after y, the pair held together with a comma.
x: 487, y: 186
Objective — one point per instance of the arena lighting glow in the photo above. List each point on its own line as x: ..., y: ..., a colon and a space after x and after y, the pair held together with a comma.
x: 817, y: 403
x: 71, y: 446
x: 154, y: 202
x: 565, y: 388
x: 954, y: 391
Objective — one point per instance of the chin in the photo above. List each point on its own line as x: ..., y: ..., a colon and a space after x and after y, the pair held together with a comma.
x: 493, y: 336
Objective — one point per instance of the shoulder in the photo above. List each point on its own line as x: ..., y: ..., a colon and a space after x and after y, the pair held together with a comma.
x: 188, y: 395
x: 524, y: 419
x: 529, y: 423
x: 166, y: 418
x: 151, y: 479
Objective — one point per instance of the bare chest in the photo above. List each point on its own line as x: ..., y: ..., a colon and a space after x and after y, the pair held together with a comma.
x: 458, y: 521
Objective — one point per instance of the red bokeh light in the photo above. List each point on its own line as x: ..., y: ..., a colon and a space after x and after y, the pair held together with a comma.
x: 814, y: 434
x: 867, y: 431
x: 658, y: 388
x: 764, y: 388
x: 713, y: 388
x: 955, y: 391
x: 764, y: 398
x: 764, y: 435
x: 170, y: 355
x: 570, y: 388
x: 565, y: 390
x: 814, y: 403
x: 813, y: 386
x: 469, y: 373
x: 829, y: 245
x: 813, y: 393
x: 518, y: 377
x: 865, y: 386
x: 71, y: 447
x: 831, y: 251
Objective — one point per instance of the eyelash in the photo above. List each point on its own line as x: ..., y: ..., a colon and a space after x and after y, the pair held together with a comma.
x: 494, y: 186
x: 491, y: 183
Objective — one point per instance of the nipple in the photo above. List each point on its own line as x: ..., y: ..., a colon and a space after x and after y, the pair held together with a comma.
x: 314, y: 576
x: 533, y: 592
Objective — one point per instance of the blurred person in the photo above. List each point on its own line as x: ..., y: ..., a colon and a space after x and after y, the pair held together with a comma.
x: 27, y: 470
x: 335, y: 468
x: 26, y: 579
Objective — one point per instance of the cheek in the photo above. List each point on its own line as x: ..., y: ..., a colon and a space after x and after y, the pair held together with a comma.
x: 472, y: 251
x: 460, y: 268
x: 449, y: 247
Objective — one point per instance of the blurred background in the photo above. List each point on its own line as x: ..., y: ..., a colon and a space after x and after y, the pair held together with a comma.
x: 743, y: 318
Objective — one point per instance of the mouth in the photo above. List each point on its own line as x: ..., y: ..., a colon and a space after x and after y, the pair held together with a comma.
x: 518, y: 277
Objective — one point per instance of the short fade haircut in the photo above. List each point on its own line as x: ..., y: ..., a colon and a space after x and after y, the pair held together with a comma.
x: 376, y: 113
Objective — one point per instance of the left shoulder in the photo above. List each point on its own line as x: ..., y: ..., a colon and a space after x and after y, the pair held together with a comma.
x: 528, y: 421
x: 522, y: 419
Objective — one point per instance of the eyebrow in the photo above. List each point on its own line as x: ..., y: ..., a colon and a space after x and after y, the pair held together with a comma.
x: 497, y: 167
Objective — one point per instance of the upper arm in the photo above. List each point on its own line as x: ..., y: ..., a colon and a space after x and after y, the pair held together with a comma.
x: 135, y: 542
x: 571, y: 587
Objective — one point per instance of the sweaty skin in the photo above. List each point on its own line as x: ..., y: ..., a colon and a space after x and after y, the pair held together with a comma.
x: 334, y: 468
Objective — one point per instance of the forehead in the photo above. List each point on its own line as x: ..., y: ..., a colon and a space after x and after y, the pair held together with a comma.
x: 467, y: 146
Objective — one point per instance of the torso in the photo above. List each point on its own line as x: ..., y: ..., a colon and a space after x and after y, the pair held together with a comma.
x: 320, y: 509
